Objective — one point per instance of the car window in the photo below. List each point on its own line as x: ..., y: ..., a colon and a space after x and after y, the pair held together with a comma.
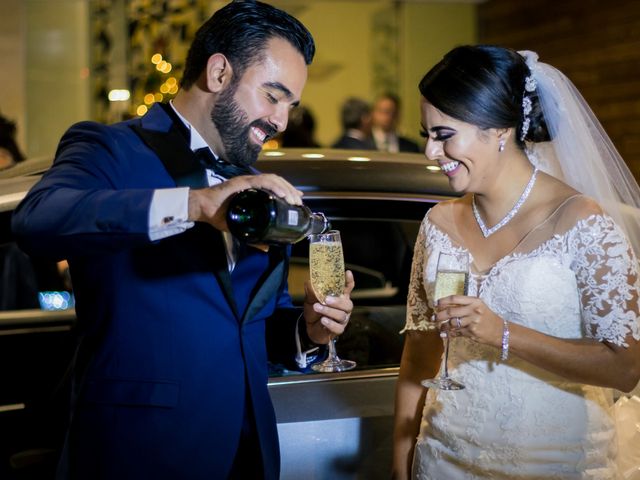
x: 378, y: 239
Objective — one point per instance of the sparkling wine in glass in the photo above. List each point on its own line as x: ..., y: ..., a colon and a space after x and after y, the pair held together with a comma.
x: 452, y: 278
x: 326, y: 267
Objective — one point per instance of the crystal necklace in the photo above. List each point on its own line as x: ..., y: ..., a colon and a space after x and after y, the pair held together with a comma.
x: 510, y: 214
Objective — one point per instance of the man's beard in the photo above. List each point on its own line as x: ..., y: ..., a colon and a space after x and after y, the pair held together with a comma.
x: 231, y: 122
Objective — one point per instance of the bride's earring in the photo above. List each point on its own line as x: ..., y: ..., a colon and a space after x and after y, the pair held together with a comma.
x: 501, y: 145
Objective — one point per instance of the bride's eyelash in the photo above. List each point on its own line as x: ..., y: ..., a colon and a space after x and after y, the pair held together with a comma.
x: 442, y: 137
x: 439, y: 136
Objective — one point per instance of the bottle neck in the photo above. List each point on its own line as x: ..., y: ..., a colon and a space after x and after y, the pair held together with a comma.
x: 319, y: 224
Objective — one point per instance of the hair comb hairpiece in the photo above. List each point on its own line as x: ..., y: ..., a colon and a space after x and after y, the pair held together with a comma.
x: 529, y: 86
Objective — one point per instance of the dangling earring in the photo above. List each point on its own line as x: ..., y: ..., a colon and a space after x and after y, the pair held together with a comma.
x: 501, y: 145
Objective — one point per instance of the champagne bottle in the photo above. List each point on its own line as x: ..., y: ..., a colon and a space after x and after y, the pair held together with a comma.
x: 259, y: 216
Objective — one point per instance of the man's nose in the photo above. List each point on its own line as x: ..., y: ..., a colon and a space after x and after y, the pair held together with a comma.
x: 280, y: 118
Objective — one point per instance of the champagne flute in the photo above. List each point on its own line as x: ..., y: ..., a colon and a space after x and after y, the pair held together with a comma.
x: 326, y: 268
x: 452, y: 278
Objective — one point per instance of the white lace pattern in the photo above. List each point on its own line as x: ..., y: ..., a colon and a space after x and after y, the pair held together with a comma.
x: 514, y: 420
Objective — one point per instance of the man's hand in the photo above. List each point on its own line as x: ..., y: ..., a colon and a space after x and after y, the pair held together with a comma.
x: 326, y: 321
x: 210, y: 204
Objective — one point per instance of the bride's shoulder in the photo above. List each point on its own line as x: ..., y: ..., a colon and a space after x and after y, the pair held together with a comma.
x: 564, y: 200
x: 567, y: 207
x: 444, y: 211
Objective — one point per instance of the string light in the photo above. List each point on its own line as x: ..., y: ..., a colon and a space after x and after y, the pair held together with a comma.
x: 168, y: 88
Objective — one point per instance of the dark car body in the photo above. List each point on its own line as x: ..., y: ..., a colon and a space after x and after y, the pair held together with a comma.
x: 330, y: 425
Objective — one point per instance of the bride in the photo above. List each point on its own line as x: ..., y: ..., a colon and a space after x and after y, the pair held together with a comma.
x: 550, y: 327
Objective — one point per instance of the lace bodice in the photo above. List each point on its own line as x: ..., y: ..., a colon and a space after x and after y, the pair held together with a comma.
x: 515, y: 420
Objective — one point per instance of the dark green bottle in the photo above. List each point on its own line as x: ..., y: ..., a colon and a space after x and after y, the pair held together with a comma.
x: 259, y: 216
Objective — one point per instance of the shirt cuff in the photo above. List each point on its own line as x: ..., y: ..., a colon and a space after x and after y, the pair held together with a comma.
x: 306, y: 350
x: 169, y: 212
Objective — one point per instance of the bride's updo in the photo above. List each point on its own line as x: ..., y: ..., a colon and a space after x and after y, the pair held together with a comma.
x: 485, y: 86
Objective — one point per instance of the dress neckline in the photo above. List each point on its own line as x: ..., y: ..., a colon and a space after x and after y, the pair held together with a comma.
x: 486, y: 271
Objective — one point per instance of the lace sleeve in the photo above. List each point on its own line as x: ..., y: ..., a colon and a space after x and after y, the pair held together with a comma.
x: 418, y: 309
x: 607, y: 274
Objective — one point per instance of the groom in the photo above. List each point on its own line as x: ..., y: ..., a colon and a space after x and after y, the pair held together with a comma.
x: 170, y: 374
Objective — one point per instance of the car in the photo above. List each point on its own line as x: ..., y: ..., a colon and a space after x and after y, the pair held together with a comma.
x: 331, y: 425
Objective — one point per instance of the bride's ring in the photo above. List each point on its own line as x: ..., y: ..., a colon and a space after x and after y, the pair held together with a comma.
x: 458, y: 324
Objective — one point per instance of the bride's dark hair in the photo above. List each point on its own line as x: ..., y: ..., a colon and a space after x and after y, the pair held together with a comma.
x: 484, y: 85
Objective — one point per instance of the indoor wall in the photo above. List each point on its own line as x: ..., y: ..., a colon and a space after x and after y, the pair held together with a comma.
x: 594, y: 42
x: 61, y: 58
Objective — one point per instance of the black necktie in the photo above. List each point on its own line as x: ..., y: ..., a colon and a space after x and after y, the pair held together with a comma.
x: 220, y: 167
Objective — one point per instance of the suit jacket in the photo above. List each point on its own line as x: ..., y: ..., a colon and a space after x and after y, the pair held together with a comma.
x: 173, y: 353
x: 352, y: 143
x: 406, y: 145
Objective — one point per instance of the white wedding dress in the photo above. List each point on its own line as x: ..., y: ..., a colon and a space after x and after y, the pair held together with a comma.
x: 567, y: 278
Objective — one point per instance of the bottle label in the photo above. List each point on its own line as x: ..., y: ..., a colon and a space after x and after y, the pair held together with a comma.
x: 292, y: 217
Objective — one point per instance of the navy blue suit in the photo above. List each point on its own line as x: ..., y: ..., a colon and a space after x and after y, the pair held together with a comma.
x: 406, y: 145
x: 172, y: 358
x: 351, y: 143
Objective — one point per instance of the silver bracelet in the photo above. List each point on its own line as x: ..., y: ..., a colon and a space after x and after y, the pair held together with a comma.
x: 505, y: 340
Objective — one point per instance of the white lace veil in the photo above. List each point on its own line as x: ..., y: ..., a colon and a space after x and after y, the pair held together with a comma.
x: 580, y: 152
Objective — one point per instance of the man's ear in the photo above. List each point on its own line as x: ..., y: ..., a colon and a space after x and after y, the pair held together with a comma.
x: 218, y: 73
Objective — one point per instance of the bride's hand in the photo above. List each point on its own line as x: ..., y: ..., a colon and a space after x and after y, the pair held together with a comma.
x: 470, y: 317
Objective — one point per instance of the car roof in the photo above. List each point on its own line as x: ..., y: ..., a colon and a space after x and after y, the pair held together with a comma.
x: 357, y: 172
x: 317, y: 172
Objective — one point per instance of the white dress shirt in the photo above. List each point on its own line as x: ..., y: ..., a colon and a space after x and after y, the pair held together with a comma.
x: 386, y: 142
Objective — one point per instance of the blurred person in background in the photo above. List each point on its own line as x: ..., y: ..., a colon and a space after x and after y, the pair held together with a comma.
x: 23, y: 277
x: 301, y: 129
x: 170, y: 375
x: 10, y: 153
x: 355, y: 117
x: 385, y: 118
x: 18, y: 281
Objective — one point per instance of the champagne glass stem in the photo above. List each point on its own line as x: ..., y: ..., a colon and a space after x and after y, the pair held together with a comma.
x: 333, y: 355
x: 445, y: 369
x: 333, y: 363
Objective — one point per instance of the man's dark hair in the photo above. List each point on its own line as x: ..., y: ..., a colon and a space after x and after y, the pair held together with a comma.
x: 353, y: 109
x: 240, y: 31
x: 390, y: 96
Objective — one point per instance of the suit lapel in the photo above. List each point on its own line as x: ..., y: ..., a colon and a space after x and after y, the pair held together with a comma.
x: 268, y: 284
x: 164, y: 133
x: 214, y: 242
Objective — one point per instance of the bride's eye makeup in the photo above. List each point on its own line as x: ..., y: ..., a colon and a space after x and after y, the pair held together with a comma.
x: 443, y: 136
x: 440, y: 133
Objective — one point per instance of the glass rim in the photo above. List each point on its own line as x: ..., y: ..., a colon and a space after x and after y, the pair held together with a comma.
x: 328, y: 233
